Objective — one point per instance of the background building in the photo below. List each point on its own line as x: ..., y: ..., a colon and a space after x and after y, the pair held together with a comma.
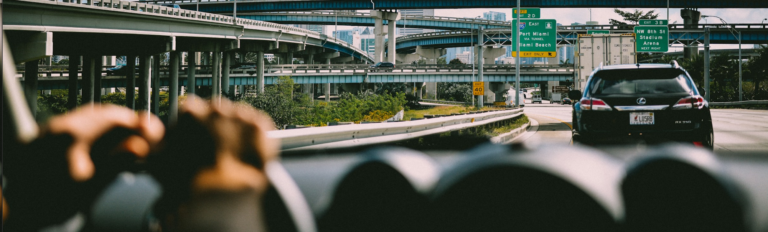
x: 493, y: 15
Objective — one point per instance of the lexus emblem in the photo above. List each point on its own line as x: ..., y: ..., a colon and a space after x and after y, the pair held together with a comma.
x: 641, y: 101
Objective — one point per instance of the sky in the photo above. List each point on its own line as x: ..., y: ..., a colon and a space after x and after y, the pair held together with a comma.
x: 566, y: 16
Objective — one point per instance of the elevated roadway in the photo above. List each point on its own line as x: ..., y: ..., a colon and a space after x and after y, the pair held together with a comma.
x: 322, y: 74
x: 224, y: 6
x: 365, y: 19
x: 719, y: 34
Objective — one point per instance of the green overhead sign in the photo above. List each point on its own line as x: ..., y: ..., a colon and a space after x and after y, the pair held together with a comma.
x: 592, y: 32
x: 527, y: 13
x: 653, y: 22
x: 538, y: 37
x: 652, y: 38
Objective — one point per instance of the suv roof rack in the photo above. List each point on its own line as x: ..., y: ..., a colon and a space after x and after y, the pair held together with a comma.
x: 674, y: 64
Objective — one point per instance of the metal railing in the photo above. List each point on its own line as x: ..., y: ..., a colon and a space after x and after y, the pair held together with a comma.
x: 366, y: 134
x: 368, y: 15
x: 170, y: 12
x: 741, y: 103
x: 289, y: 69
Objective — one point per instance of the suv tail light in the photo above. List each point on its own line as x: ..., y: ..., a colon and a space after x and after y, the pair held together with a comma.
x: 695, y: 102
x: 594, y: 104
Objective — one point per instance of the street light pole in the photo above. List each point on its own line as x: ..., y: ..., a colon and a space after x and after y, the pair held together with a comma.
x: 732, y: 30
x: 516, y: 28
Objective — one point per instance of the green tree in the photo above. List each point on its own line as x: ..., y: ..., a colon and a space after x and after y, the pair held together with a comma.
x: 63, y: 62
x: 757, y: 71
x: 632, y: 17
x: 455, y: 63
x: 452, y: 91
x: 441, y: 60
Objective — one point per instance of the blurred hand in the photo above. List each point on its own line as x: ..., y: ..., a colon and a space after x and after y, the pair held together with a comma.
x: 214, y: 148
x: 75, y: 157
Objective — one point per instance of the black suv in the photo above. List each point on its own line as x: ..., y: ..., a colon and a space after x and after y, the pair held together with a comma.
x: 651, y: 102
x: 384, y: 66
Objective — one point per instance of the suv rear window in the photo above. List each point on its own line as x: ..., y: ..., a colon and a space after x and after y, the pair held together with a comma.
x: 640, y: 81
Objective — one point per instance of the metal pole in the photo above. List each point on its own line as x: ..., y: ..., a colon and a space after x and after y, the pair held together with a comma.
x: 480, y: 64
x: 667, y: 11
x: 740, y: 60
x: 707, y: 93
x: 515, y: 28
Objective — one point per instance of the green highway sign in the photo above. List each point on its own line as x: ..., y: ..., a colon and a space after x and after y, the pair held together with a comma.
x: 527, y: 13
x: 538, y: 37
x: 592, y: 32
x: 652, y: 38
x: 653, y: 22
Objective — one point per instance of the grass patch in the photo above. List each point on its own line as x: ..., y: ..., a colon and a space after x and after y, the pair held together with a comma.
x: 442, y: 110
x: 522, y: 120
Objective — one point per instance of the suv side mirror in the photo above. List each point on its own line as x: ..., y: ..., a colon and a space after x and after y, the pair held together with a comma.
x: 702, y: 91
x: 574, y: 95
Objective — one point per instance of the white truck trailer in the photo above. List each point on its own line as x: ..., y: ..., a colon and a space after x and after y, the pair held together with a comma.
x: 608, y: 49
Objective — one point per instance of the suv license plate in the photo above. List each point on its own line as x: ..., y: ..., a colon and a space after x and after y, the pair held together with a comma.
x: 641, y: 118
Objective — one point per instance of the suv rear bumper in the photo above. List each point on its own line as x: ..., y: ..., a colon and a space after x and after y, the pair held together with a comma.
x: 698, y: 135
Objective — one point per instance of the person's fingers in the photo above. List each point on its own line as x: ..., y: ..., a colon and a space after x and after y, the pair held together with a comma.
x: 135, y: 145
x: 196, y: 107
x: 81, y: 166
x: 152, y: 130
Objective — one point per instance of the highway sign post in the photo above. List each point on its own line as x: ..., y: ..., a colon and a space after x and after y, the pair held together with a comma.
x: 592, y: 32
x: 527, y: 13
x: 538, y: 37
x: 652, y: 38
x: 478, y: 88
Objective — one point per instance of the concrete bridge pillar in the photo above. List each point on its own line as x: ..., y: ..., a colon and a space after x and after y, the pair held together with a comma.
x: 74, y: 65
x: 432, y: 89
x: 156, y: 83
x: 191, y: 70
x: 88, y: 79
x: 30, y: 85
x: 691, y: 19
x: 143, y: 82
x: 216, y: 77
x: 260, y: 72
x: 98, y: 71
x: 225, y: 75
x: 130, y: 82
x: 391, y: 18
x: 289, y: 58
x: 407, y: 58
x: 173, y: 88
x: 430, y: 53
x: 490, y: 54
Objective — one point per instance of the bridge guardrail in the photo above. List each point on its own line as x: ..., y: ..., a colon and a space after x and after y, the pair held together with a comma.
x: 158, y: 10
x: 403, y: 17
x: 364, y: 134
x: 740, y: 103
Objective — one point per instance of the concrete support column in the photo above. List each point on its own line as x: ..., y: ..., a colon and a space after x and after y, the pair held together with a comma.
x: 432, y: 89
x: 327, y: 90
x: 30, y: 85
x: 156, y: 84
x: 311, y: 59
x: 691, y: 19
x: 378, y: 30
x: 74, y: 66
x: 88, y: 79
x: 391, y: 42
x: 225, y: 75
x: 173, y: 88
x: 143, y: 83
x: 191, y: 69
x: 289, y: 58
x: 98, y: 67
x: 419, y: 87
x: 216, y: 78
x: 260, y: 72
x: 130, y: 82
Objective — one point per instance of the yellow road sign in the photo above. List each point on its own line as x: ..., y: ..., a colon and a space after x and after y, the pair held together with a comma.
x: 478, y: 88
x: 535, y: 54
